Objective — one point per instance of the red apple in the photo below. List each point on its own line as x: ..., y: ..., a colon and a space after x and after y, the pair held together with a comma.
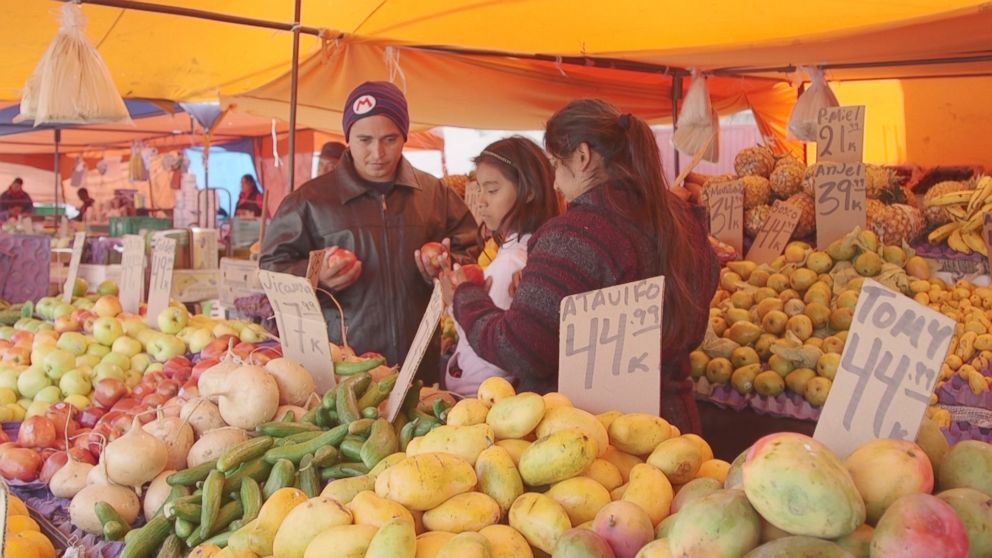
x: 89, y: 416
x: 36, y: 432
x: 45, y: 453
x: 125, y: 405
x: 167, y: 388
x: 81, y: 439
x: 243, y: 349
x: 4, y: 344
x: 67, y: 323
x: 83, y: 455
x: 175, y: 365
x: 20, y: 464
x: 63, y: 416
x: 473, y: 274
x: 4, y: 438
x: 216, y: 348
x: 52, y: 465
x: 342, y: 257
x: 261, y: 356
x: 173, y: 406
x: 199, y: 367
x: 22, y: 338
x: 108, y: 391
x: 152, y: 401
x: 434, y: 253
x: 189, y: 390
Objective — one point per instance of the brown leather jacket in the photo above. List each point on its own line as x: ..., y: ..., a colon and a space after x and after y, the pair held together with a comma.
x: 384, y: 307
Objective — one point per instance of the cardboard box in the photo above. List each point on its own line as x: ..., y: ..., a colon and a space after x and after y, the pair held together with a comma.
x: 238, y: 278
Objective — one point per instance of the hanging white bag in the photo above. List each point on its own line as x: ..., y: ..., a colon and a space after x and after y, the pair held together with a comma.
x: 803, y: 120
x: 698, y: 125
x: 71, y: 84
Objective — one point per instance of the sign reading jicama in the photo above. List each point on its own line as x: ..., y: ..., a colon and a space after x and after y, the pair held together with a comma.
x: 414, y: 356
x: 841, y: 137
x: 775, y: 233
x: 302, y: 329
x: 609, y: 351
x: 132, y: 288
x: 78, y: 240
x: 726, y: 208
x: 840, y: 200
x: 888, y: 370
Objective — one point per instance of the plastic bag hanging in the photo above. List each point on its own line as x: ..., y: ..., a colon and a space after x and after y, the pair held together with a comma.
x: 699, y: 125
x: 78, y: 173
x: 71, y: 83
x: 803, y: 121
x: 136, y: 169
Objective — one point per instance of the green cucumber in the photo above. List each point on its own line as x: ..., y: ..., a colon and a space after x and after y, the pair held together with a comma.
x: 351, y: 449
x: 283, y: 474
x: 296, y: 452
x: 184, y: 528
x: 325, y: 456
x: 171, y: 548
x: 350, y: 368
x: 213, y: 493
x: 378, y: 392
x: 244, y: 451
x: 308, y: 478
x: 115, y: 530
x: 189, y: 477
x: 251, y: 499
x: 301, y: 437
x: 343, y: 471
x: 382, y: 442
x: 143, y: 542
x: 279, y: 429
x: 256, y: 469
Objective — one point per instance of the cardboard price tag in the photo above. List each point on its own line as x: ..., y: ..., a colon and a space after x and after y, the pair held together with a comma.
x: 775, y: 234
x: 425, y: 331
x: 841, y: 134
x: 888, y: 370
x: 78, y: 241
x: 302, y: 329
x: 609, y: 352
x: 841, y: 200
x: 132, y: 287
x: 163, y: 261
x: 726, y: 208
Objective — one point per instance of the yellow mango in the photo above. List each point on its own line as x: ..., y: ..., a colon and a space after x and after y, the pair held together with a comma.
x: 678, y: 458
x: 466, y: 442
x: 468, y: 412
x: 506, y: 542
x: 554, y: 400
x: 658, y: 548
x: 516, y: 416
x: 607, y: 418
x: 650, y: 489
x: 260, y: 537
x: 342, y: 541
x: 623, y: 461
x: 470, y: 511
x: 618, y: 492
x: 714, y: 469
x: 425, y: 481
x: 539, y: 519
x: 232, y: 553
x: 705, y: 452
x: 387, y: 462
x: 343, y: 490
x: 466, y: 545
x: 430, y: 543
x: 498, y: 477
x: 204, y: 551
x: 515, y: 448
x: 605, y: 473
x: 493, y: 389
x: 562, y: 418
x: 557, y: 457
x: 581, y: 497
x: 638, y: 433
x: 304, y: 522
x: 395, y: 539
x: 368, y: 509
x: 984, y: 342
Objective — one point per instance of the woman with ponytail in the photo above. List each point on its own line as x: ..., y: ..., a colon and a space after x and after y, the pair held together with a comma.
x: 622, y: 224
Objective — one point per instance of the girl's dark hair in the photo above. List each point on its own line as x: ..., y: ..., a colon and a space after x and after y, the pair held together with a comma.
x: 632, y: 161
x: 251, y: 180
x: 522, y: 162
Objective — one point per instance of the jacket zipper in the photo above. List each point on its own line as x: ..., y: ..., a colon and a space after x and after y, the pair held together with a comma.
x: 389, y: 277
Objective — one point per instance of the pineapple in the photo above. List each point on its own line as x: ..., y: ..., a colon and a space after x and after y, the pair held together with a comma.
x: 809, y: 179
x: 756, y: 191
x: 896, y: 223
x: 755, y: 218
x: 787, y: 179
x: 807, y: 220
x: 757, y: 161
x: 938, y: 215
x: 877, y: 179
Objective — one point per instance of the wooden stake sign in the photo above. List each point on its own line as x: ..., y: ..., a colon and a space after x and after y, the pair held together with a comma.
x: 841, y: 134
x: 421, y: 340
x: 775, y: 233
x: 726, y: 208
x: 160, y: 286
x: 887, y: 372
x: 987, y: 235
x: 840, y: 200
x: 132, y: 288
x: 78, y: 241
x: 609, y: 354
x: 302, y: 329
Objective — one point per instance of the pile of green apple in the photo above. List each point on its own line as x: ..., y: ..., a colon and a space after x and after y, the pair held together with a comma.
x: 68, y: 348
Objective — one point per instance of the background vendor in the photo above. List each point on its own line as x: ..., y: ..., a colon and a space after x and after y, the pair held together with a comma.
x: 15, y: 201
x: 376, y: 205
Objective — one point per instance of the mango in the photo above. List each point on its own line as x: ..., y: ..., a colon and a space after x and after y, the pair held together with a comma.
x: 304, y: 522
x: 581, y: 543
x: 341, y: 541
x: 714, y: 469
x: 735, y: 474
x: 343, y: 490
x: 975, y: 510
x: 663, y: 529
x: 650, y: 489
x: 920, y: 525
x: 498, y: 477
x: 623, y: 461
x: 516, y: 416
x: 557, y: 457
x: 493, y: 389
x: 607, y: 418
x: 858, y: 543
x: 470, y: 511
x: 466, y: 442
x: 506, y: 542
x: 431, y: 542
x: 561, y: 418
x: 967, y: 465
x: 264, y: 528
x: 466, y: 545
x: 694, y: 490
x: 581, y: 497
x: 624, y: 526
x: 720, y: 524
x: 605, y: 473
x: 743, y: 332
x: 539, y: 519
x: 884, y: 469
x: 798, y: 485
x: 425, y: 481
x: 467, y: 412
x: 658, y: 548
x: 638, y: 433
x: 553, y: 400
x: 385, y: 463
x: 790, y: 547
x: 515, y: 448
x: 679, y: 458
x: 369, y: 509
x: 395, y: 539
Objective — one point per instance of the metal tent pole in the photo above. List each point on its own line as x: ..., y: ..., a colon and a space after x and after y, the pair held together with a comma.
x: 293, y: 90
x: 58, y: 174
x: 676, y: 93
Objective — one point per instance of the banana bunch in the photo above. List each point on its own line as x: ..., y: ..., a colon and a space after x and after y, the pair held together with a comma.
x: 967, y: 209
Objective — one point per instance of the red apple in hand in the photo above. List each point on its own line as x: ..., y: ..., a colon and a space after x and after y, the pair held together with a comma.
x: 473, y: 274
x: 342, y: 258
x: 434, y: 253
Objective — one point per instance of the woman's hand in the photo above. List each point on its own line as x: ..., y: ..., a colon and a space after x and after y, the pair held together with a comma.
x: 450, y: 279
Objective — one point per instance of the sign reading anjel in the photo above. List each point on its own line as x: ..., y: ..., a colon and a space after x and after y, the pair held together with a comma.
x: 840, y: 200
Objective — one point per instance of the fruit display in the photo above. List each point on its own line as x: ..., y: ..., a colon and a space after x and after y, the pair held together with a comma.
x: 957, y: 211
x: 24, y: 537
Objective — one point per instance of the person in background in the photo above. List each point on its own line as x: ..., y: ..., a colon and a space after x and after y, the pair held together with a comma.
x: 330, y: 157
x: 381, y: 209
x: 86, y: 202
x: 15, y: 201
x: 250, y: 200
x: 517, y: 196
x: 622, y: 225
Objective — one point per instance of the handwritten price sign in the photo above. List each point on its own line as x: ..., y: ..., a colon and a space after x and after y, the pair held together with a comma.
x: 160, y: 286
x: 841, y: 134
x: 726, y: 209
x: 610, y: 347
x: 775, y: 234
x: 302, y: 329
x: 132, y: 288
x: 421, y: 340
x: 887, y: 372
x: 78, y: 240
x: 840, y: 200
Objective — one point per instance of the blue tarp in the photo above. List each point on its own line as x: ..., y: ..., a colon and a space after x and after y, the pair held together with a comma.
x: 137, y: 109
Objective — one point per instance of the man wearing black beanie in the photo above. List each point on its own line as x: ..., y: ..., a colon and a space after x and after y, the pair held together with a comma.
x: 375, y: 204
